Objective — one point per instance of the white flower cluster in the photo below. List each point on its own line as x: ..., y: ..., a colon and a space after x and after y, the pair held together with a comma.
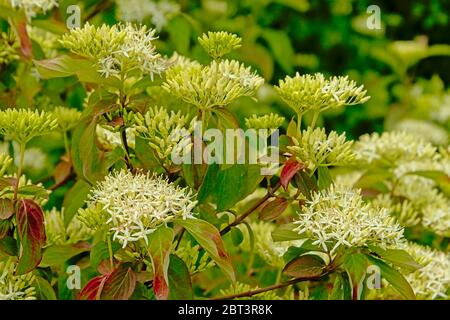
x: 137, y: 10
x: 425, y: 130
x: 217, y: 84
x: 13, y: 287
x: 136, y: 204
x: 390, y: 147
x: 110, y: 139
x: 433, y: 280
x: 316, y: 148
x: 335, y: 217
x: 32, y: 7
x: 118, y: 49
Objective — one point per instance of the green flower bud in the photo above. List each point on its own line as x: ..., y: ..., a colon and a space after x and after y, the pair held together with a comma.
x: 218, y: 44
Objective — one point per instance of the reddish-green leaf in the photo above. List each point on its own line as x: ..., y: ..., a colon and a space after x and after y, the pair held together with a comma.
x: 159, y: 246
x: 119, y: 284
x: 307, y: 266
x: 273, y: 209
x: 209, y: 238
x: 93, y: 289
x: 31, y: 231
x: 290, y: 168
x: 6, y: 209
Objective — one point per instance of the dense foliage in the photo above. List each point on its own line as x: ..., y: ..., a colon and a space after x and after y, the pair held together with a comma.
x: 118, y: 181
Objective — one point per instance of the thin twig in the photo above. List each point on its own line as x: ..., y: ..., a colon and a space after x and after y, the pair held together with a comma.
x: 251, y: 293
x: 239, y: 219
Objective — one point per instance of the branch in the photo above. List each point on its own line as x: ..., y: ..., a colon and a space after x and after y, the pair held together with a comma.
x: 269, y: 288
x: 239, y: 219
x: 123, y: 136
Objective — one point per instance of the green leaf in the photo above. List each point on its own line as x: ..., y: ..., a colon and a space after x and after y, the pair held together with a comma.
x: 180, y: 30
x: 209, y: 239
x: 8, y: 245
x: 87, y: 158
x: 281, y: 47
x: 324, y: 178
x: 119, y: 284
x: 43, y: 289
x: 100, y: 252
x: 307, y: 266
x: 374, y: 179
x: 355, y: 265
x: 159, y: 247
x: 397, y: 257
x: 285, y: 233
x: 227, y: 187
x: 179, y: 280
x: 57, y: 255
x: 144, y: 153
x: 394, y: 278
x: 294, y: 252
x: 236, y: 236
x: 33, y: 191
x: 74, y: 199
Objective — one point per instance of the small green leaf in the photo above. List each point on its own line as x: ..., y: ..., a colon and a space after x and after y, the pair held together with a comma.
x: 8, y: 245
x: 307, y: 266
x: 394, y: 278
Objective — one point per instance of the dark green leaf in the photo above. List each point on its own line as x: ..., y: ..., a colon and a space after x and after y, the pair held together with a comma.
x: 324, y: 178
x: 57, y: 255
x: 100, y: 252
x: 179, y: 280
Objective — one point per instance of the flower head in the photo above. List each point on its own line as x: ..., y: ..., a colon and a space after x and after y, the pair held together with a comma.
x: 133, y: 206
x: 392, y: 147
x: 165, y: 131
x: 316, y: 148
x: 218, y: 44
x: 138, y: 10
x: 424, y: 130
x: 339, y: 217
x: 433, y: 280
x: 13, y: 287
x: 268, y: 121
x: 57, y: 232
x: 5, y: 162
x: 33, y: 7
x: 217, y: 84
x: 8, y: 48
x: 117, y: 50
x: 313, y: 92
x: 67, y: 118
x: 23, y: 125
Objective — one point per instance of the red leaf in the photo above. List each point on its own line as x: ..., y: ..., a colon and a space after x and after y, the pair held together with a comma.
x: 119, y: 284
x: 273, y: 209
x: 25, y: 41
x: 290, y: 168
x: 31, y: 230
x: 93, y: 288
